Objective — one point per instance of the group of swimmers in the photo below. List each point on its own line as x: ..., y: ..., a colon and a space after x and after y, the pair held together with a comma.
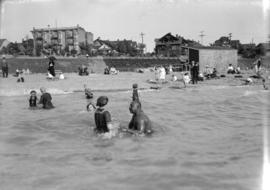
x: 45, y: 99
x: 139, y: 123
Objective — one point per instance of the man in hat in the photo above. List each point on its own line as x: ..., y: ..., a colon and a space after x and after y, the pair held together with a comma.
x: 4, y: 67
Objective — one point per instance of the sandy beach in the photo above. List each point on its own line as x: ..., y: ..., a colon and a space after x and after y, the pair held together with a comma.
x: 100, y: 82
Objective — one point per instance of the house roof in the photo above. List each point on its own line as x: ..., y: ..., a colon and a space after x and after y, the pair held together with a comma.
x: 58, y: 28
x: 168, y: 38
x: 209, y: 47
x: 265, y: 45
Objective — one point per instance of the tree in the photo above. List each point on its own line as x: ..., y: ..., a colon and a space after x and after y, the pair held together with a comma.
x: 222, y: 41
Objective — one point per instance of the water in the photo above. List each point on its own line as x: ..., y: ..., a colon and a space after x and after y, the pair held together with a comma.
x: 207, y: 137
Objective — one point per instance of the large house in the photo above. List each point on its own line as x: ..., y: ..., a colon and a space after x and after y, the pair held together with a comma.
x: 170, y: 45
x: 118, y: 47
x: 61, y: 38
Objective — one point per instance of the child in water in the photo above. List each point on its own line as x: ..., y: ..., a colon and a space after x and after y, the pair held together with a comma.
x: 33, y: 99
x: 135, y: 95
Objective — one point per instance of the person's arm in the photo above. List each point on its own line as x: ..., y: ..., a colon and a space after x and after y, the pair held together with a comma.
x: 141, y: 126
x: 108, y: 120
x: 41, y: 100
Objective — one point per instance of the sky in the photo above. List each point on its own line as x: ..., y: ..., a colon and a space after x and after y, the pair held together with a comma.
x: 247, y: 20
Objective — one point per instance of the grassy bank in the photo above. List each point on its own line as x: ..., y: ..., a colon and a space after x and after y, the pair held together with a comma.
x: 95, y: 64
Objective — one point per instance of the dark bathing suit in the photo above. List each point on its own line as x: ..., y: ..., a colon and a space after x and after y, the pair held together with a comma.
x: 33, y: 102
x: 102, y: 118
x: 135, y: 123
x: 135, y: 95
x: 46, y: 99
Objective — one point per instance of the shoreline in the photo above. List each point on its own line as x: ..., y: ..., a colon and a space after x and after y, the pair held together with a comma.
x: 110, y: 83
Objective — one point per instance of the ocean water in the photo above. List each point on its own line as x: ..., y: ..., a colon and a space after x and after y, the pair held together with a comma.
x: 207, y: 137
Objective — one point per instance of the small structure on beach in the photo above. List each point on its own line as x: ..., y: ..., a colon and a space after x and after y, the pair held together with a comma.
x: 213, y: 57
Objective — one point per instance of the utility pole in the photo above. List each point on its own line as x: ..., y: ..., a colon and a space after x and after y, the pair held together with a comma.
x: 230, y: 39
x: 142, y: 34
x: 202, y: 35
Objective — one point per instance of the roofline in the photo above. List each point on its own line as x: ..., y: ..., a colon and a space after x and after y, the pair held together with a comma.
x: 57, y: 28
x: 208, y: 48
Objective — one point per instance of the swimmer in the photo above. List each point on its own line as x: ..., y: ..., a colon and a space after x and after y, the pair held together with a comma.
x: 139, y: 122
x: 87, y: 92
x: 33, y: 99
x: 45, y: 99
x: 135, y: 95
x: 264, y: 86
x: 102, y: 117
x: 248, y: 81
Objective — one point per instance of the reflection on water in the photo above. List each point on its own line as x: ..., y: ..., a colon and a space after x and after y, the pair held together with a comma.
x: 207, y: 138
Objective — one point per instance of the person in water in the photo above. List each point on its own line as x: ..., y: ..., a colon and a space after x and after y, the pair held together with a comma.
x: 264, y: 86
x: 139, y: 122
x: 102, y: 117
x: 89, y: 97
x: 135, y: 95
x: 45, y: 99
x: 33, y: 99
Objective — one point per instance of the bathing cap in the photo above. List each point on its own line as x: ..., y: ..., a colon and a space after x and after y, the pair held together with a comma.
x: 102, y: 101
x: 33, y: 91
x: 135, y: 85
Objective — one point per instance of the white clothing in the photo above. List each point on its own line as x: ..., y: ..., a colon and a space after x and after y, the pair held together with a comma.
x: 49, y: 76
x: 174, y: 78
x: 186, y: 79
x: 162, y: 73
x: 61, y: 76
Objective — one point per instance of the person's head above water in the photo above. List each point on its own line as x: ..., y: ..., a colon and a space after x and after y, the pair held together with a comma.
x: 135, y: 85
x: 134, y: 107
x: 33, y: 93
x: 42, y: 90
x: 102, y: 101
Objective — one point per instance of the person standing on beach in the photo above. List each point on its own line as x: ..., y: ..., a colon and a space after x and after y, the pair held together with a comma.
x: 4, y: 67
x: 45, y: 99
x: 51, y: 66
x: 194, y: 72
x: 258, y: 65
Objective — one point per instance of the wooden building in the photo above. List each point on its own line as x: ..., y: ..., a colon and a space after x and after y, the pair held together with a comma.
x: 213, y: 57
